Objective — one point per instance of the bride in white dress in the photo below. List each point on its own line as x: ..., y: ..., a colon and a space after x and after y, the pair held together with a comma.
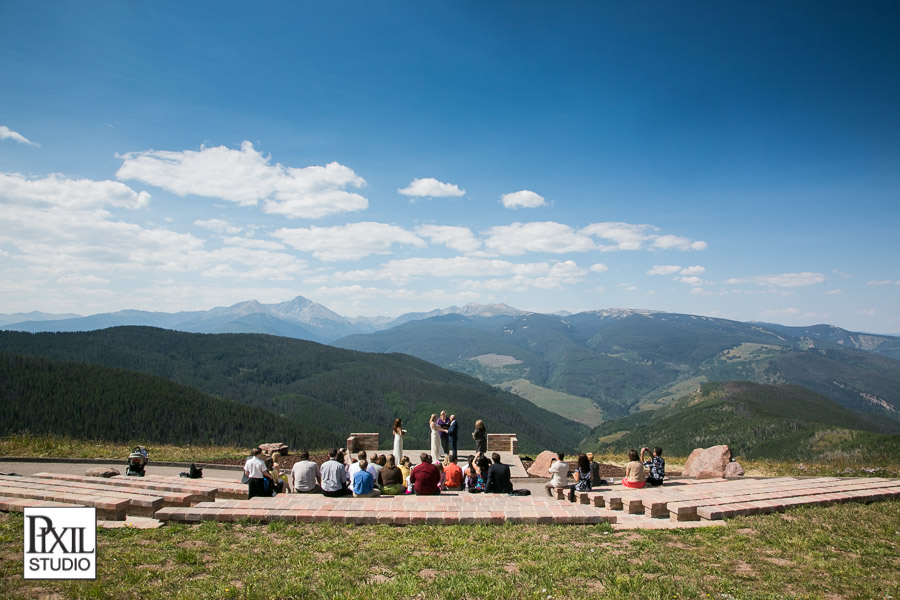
x: 398, y: 440
x: 435, y: 439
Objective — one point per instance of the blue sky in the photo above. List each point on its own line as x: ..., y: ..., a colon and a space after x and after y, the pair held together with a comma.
x: 739, y: 160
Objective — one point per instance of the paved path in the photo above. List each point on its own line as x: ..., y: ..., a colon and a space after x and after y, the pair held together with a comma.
x: 219, y: 496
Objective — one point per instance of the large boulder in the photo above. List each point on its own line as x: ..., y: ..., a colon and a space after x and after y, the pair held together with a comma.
x: 711, y: 462
x: 101, y: 472
x: 274, y: 447
x: 541, y: 465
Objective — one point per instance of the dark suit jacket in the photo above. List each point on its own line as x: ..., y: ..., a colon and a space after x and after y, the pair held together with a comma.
x: 498, y: 481
x: 453, y: 431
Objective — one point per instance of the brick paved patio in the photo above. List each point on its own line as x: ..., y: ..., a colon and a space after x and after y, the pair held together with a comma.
x: 685, y: 503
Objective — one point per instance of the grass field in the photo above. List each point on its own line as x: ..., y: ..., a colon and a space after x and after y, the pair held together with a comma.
x: 843, y: 551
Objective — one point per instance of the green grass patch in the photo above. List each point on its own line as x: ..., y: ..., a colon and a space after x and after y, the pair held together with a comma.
x: 59, y: 446
x: 843, y: 551
x: 572, y: 407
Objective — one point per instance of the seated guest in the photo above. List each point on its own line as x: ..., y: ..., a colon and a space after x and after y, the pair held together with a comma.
x: 334, y: 475
x: 656, y: 464
x: 375, y: 463
x: 405, y: 466
x: 274, y: 477
x: 282, y: 478
x: 596, y: 480
x: 364, y: 482
x: 305, y: 474
x: 498, y: 478
x: 454, y: 475
x: 559, y: 473
x: 391, y: 478
x: 471, y: 476
x: 582, y: 477
x: 440, y: 468
x: 634, y: 472
x: 354, y: 468
x: 425, y: 478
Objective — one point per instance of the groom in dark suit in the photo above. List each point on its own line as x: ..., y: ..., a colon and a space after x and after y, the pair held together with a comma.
x: 452, y: 435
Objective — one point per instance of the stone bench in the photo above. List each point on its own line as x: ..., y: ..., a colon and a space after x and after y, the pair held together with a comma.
x: 139, y: 503
x: 20, y: 504
x: 222, y: 488
x: 362, y: 441
x: 108, y: 508
x: 444, y: 509
x: 173, y: 494
x: 503, y: 442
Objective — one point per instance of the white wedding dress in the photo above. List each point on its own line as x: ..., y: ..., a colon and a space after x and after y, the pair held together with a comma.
x: 398, y: 448
x: 435, y: 443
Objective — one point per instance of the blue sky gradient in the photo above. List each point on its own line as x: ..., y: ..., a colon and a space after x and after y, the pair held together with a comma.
x: 173, y: 156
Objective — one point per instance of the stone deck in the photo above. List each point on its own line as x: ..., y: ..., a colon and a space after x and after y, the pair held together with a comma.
x: 685, y: 503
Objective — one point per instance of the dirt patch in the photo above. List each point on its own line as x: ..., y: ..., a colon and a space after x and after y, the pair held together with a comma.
x: 428, y: 575
x: 511, y: 568
x: 377, y: 578
x: 743, y: 568
x: 781, y: 562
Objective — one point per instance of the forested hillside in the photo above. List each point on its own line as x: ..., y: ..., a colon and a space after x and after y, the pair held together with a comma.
x: 628, y: 360
x: 318, y: 386
x: 756, y: 421
x: 90, y: 401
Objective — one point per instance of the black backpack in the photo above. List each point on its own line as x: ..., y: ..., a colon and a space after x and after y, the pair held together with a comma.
x: 195, y: 472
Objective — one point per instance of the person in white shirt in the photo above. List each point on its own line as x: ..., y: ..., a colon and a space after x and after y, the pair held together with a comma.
x: 354, y: 468
x: 256, y: 472
x: 559, y: 474
x: 305, y: 475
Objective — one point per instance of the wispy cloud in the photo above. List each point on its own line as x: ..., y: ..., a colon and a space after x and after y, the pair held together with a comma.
x: 247, y: 177
x: 428, y: 187
x: 8, y: 134
x: 883, y: 282
x: 460, y: 239
x: 348, y: 242
x: 522, y: 199
x: 782, y: 280
x: 218, y: 226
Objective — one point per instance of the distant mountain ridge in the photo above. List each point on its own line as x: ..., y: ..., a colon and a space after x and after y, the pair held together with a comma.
x: 626, y: 360
x: 299, y: 318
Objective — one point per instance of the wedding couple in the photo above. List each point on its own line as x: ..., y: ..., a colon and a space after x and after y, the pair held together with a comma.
x: 444, y: 435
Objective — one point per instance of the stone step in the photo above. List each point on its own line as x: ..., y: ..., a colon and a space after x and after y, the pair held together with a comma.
x: 193, y: 493
x: 111, y: 509
x: 138, y: 503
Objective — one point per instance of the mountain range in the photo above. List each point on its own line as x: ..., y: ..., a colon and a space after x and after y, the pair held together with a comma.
x: 589, y: 367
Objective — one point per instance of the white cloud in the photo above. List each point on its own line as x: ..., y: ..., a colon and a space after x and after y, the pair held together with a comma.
x: 624, y: 236
x: 782, y: 280
x: 629, y: 236
x: 628, y: 287
x: 834, y: 292
x: 245, y: 242
x: 695, y: 270
x: 460, y: 239
x: 82, y: 279
x: 882, y: 282
x: 599, y: 268
x: 247, y: 177
x: 348, y: 242
x: 546, y: 236
x: 431, y: 188
x: 65, y: 236
x: 692, y: 280
x: 58, y: 191
x: 218, y: 226
x: 677, y: 242
x: 8, y: 134
x: 664, y: 270
x: 522, y: 199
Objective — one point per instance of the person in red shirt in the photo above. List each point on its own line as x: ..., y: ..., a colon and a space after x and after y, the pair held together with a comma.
x: 425, y: 477
x: 454, y: 475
